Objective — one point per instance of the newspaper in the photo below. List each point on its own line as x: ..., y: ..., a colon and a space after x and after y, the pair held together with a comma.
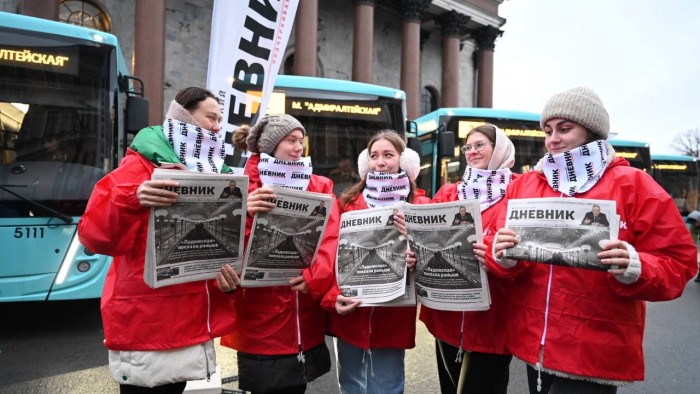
x: 562, y: 231
x: 193, y: 238
x: 285, y: 240
x: 371, y: 258
x: 448, y: 275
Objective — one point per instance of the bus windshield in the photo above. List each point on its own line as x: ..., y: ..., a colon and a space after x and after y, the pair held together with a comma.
x: 678, y: 175
x: 521, y: 127
x: 55, y: 116
x: 636, y: 153
x: 340, y: 117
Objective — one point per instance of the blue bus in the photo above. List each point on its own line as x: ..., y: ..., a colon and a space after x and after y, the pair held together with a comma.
x: 64, y: 90
x: 636, y: 152
x: 680, y: 177
x: 340, y: 117
x: 441, y: 159
x: 523, y: 128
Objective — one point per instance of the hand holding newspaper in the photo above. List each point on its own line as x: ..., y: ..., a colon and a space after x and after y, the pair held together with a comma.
x: 193, y: 238
x: 562, y: 231
x: 371, y: 257
x: 285, y: 240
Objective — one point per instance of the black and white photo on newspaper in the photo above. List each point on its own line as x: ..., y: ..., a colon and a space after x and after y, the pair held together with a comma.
x: 285, y: 241
x: 371, y: 258
x: 562, y: 231
x: 448, y: 275
x: 194, y: 237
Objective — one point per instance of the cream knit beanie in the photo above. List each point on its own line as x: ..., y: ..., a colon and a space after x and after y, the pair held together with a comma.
x: 580, y: 105
x: 269, y: 131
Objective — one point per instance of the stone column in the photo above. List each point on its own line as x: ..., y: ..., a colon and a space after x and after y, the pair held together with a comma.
x: 362, y: 43
x: 46, y: 9
x: 306, y: 38
x: 149, y: 54
x: 486, y: 43
x: 411, y: 12
x: 452, y: 26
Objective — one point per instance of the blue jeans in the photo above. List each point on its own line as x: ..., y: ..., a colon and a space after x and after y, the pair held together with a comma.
x: 375, y: 371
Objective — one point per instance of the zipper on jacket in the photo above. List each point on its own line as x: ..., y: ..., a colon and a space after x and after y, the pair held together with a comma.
x: 300, y: 356
x: 540, y: 354
x: 458, y: 359
x: 206, y: 288
x: 546, y: 309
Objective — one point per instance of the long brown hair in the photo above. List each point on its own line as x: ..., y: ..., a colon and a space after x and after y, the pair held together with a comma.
x: 351, y: 194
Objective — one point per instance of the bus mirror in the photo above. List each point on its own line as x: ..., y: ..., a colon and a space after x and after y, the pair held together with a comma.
x: 411, y: 127
x: 447, y: 144
x: 136, y: 114
x: 414, y: 143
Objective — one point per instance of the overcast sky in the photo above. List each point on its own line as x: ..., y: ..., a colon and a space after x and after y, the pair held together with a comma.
x: 642, y: 57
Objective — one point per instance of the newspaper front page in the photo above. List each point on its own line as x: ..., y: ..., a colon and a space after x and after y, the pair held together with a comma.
x: 371, y: 258
x: 285, y: 240
x: 448, y: 275
x: 562, y: 231
x: 193, y: 238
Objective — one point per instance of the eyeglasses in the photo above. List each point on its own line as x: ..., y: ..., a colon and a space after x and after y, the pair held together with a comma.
x: 478, y: 147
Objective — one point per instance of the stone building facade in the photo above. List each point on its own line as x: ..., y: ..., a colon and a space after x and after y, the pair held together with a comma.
x: 440, y: 52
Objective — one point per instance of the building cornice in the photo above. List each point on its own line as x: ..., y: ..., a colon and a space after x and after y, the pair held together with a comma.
x: 476, y: 14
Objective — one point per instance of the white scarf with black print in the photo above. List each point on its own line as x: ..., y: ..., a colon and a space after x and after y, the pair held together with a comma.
x: 384, y: 189
x: 198, y: 149
x: 487, y: 186
x: 577, y: 170
x: 291, y: 174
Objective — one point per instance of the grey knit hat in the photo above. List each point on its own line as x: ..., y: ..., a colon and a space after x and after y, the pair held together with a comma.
x: 269, y: 131
x: 580, y: 105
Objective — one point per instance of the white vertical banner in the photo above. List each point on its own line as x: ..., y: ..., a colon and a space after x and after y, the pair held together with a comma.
x: 248, y: 40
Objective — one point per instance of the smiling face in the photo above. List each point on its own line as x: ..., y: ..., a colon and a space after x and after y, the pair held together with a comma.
x: 384, y: 157
x: 479, y: 158
x: 563, y: 135
x: 291, y: 147
x: 208, y: 114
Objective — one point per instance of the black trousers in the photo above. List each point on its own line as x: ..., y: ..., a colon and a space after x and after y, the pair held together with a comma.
x: 172, y: 388
x: 552, y: 384
x: 483, y: 372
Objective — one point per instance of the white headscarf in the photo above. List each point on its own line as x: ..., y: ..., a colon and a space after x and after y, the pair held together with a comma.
x: 489, y: 186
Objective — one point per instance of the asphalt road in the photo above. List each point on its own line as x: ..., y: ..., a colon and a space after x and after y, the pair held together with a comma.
x: 57, y: 348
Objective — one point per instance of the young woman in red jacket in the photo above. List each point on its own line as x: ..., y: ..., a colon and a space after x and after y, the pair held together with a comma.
x: 581, y: 330
x: 158, y: 339
x: 280, y: 331
x: 470, y: 347
x: 371, y: 342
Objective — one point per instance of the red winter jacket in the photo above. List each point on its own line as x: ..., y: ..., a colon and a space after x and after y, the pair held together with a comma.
x: 135, y: 316
x: 373, y: 327
x: 482, y: 331
x: 267, y: 316
x: 587, y: 322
